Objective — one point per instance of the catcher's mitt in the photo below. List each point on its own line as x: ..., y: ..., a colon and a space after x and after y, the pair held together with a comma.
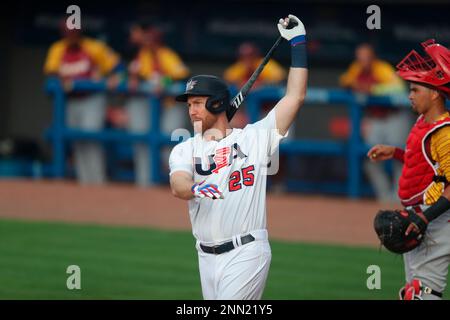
x: 391, y: 225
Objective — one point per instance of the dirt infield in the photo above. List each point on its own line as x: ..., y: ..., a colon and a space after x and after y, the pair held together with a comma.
x: 317, y: 219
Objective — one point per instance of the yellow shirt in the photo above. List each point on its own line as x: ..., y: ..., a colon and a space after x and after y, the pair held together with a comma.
x: 169, y: 64
x: 440, y: 152
x: 386, y: 80
x: 238, y: 73
x: 103, y: 57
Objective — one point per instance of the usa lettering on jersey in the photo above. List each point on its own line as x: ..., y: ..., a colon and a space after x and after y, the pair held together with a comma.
x: 222, y: 158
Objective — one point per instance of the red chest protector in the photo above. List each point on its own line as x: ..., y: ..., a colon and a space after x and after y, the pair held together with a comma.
x: 76, y: 64
x: 419, y: 172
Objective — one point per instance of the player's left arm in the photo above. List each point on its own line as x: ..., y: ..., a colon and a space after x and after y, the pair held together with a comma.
x: 446, y: 193
x: 441, y: 146
x: 286, y: 109
x: 420, y: 221
x: 53, y: 59
x: 105, y: 58
x: 440, y: 149
x: 173, y: 65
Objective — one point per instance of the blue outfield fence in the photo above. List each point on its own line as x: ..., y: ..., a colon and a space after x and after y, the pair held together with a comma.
x: 353, y: 149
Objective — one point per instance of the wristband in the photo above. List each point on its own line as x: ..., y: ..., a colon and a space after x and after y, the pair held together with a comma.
x: 298, y: 52
x: 438, y: 208
x: 298, y: 40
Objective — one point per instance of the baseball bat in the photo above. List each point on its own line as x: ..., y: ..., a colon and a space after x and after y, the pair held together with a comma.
x: 240, y: 96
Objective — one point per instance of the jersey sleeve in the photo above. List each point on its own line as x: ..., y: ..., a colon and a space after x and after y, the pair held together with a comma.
x: 53, y: 59
x: 385, y: 73
x: 104, y: 57
x: 349, y: 76
x: 234, y: 74
x: 144, y: 64
x: 173, y: 65
x: 440, y: 149
x: 181, y: 158
x: 267, y: 132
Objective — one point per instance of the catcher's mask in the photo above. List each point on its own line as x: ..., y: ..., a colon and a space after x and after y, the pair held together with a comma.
x: 432, y: 69
x: 390, y: 226
x: 210, y: 86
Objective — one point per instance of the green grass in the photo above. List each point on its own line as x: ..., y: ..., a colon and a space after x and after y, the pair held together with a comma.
x: 140, y: 263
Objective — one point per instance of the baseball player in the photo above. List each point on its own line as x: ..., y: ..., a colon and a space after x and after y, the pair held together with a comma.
x: 424, y: 184
x: 221, y: 172
x: 153, y: 63
x: 76, y: 57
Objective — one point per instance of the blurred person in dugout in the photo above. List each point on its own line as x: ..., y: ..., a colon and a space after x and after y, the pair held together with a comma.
x: 156, y: 65
x: 248, y: 60
x: 372, y: 76
x: 77, y: 57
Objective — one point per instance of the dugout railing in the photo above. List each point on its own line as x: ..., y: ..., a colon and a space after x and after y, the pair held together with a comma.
x: 353, y: 148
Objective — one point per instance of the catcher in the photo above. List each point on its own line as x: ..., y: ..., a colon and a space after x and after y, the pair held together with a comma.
x: 422, y: 230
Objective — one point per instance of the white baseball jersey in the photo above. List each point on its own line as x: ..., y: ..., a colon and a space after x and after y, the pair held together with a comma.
x: 238, y: 165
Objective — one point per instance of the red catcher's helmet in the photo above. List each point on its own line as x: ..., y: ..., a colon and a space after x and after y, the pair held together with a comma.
x: 432, y: 69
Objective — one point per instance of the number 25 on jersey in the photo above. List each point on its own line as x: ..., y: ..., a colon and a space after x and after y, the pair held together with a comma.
x: 241, y: 177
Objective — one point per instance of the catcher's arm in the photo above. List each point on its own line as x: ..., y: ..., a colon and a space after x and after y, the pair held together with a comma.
x: 287, y: 108
x: 381, y: 152
x: 419, y: 221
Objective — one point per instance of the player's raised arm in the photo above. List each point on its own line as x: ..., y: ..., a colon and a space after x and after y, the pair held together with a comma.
x: 288, y: 106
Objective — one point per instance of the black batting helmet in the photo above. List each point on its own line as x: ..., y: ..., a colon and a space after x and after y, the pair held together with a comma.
x: 211, y: 86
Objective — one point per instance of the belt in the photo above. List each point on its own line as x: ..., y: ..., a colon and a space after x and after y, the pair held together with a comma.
x: 227, y: 246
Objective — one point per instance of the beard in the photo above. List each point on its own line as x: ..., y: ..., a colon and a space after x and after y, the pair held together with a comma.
x: 206, y: 128
x: 200, y: 126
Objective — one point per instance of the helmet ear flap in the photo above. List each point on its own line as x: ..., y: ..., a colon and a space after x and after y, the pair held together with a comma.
x: 218, y: 103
